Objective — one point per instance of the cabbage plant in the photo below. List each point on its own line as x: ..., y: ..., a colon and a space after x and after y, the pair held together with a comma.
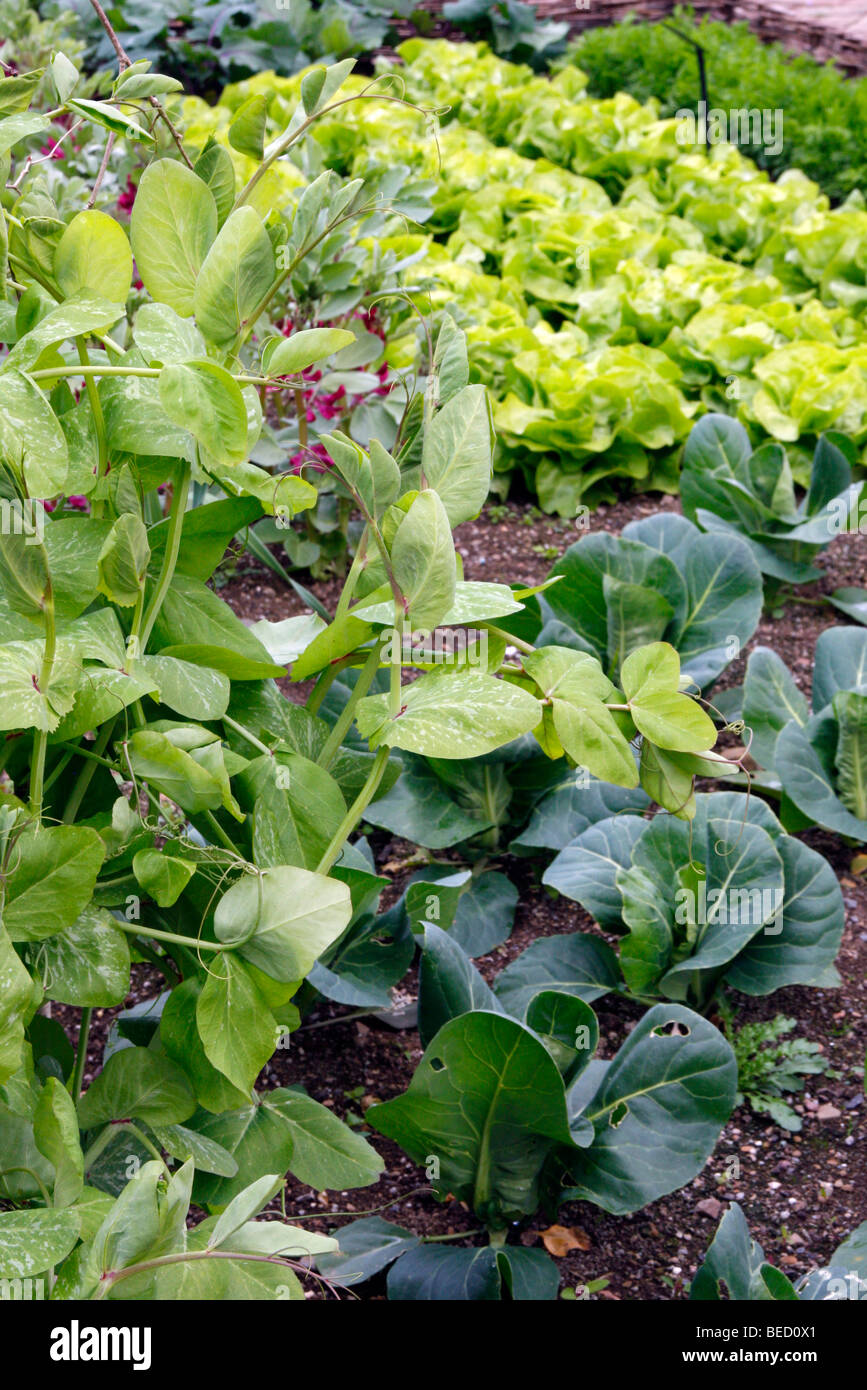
x: 729, y: 488
x: 736, y: 1263
x: 816, y: 753
x: 662, y: 579
x: 509, y: 1107
x: 729, y: 898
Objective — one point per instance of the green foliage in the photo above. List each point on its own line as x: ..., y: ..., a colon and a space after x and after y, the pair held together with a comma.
x: 772, y: 1066
x: 661, y: 580
x: 728, y: 488
x: 730, y: 896
x: 735, y: 1264
x: 164, y: 802
x: 612, y: 284
x: 205, y: 44
x: 511, y: 27
x: 817, y: 762
x: 826, y: 112
x: 508, y: 1103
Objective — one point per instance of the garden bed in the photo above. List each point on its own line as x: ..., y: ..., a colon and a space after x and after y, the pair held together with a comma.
x: 803, y: 1192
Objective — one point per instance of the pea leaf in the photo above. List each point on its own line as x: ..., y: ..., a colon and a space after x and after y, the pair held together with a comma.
x: 247, y: 128
x: 325, y: 1152
x: 287, y: 356
x: 456, y: 458
x: 650, y: 679
x: 136, y: 1083
x: 53, y: 875
x: 236, y: 274
x: 94, y: 254
x: 205, y: 399
x: 423, y: 559
x: 55, y: 1129
x: 87, y: 963
x: 446, y: 714
x: 33, y: 1241
x: 31, y: 439
x: 16, y: 993
x: 237, y: 1028
x: 162, y: 877
x: 294, y: 915
x: 173, y: 223
x: 123, y: 560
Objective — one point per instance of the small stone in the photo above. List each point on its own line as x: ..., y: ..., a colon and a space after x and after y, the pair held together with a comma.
x: 827, y: 1112
x: 710, y: 1207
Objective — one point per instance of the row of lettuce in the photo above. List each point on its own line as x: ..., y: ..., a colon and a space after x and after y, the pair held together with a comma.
x: 824, y: 111
x: 613, y: 282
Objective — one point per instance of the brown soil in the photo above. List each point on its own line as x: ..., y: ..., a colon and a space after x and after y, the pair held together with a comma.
x: 802, y: 1193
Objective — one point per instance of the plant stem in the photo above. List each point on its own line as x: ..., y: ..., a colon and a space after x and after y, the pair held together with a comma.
x: 352, y: 578
x: 301, y: 413
x: 48, y: 373
x: 456, y: 1235
x: 355, y: 812
x: 98, y: 422
x: 123, y: 62
x: 366, y: 677
x: 134, y: 1130
x: 20, y: 1168
x: 77, y: 1078
x: 322, y: 686
x: 170, y: 558
x: 245, y: 734
x: 283, y: 144
x: 92, y: 760
x: 526, y: 647
x: 218, y: 830
x: 89, y: 755
x: 192, y: 943
x: 40, y: 737
x: 113, y: 1277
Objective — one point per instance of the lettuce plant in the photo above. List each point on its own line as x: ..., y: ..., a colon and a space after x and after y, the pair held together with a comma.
x: 729, y: 898
x: 162, y: 801
x: 817, y: 758
x: 509, y: 1108
x: 729, y: 488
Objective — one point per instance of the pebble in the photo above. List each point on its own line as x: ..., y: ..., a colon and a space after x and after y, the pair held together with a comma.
x: 710, y: 1207
x: 827, y: 1112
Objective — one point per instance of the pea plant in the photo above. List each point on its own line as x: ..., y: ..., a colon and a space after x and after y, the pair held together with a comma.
x: 163, y: 804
